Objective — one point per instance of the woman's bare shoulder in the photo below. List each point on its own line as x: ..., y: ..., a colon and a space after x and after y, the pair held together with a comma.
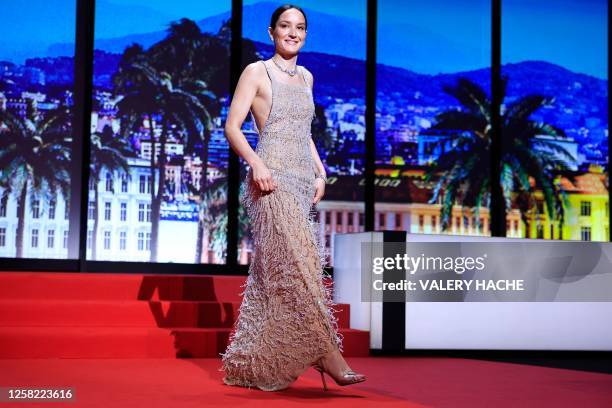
x: 254, y: 71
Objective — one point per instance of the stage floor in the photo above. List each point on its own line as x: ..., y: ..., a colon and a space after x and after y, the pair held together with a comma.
x: 392, y: 382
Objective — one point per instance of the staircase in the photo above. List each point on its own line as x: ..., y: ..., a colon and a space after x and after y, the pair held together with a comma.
x: 87, y: 315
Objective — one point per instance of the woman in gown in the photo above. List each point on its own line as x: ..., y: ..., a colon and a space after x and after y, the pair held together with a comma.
x: 285, y: 323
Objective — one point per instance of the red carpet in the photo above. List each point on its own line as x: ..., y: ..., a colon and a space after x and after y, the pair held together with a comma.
x: 115, y: 339
x: 392, y: 382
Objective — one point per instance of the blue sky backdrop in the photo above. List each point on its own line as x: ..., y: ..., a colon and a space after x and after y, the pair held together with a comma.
x: 445, y: 36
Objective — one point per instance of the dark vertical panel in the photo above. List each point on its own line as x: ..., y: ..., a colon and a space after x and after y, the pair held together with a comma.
x: 370, y: 135
x: 498, y: 215
x: 83, y: 72
x: 233, y: 175
x: 393, y: 312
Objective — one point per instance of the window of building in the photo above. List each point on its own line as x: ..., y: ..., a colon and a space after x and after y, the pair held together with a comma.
x: 107, y: 211
x: 36, y: 209
x: 2, y: 237
x: 107, y: 239
x: 91, y: 210
x: 52, y: 206
x: 34, y: 238
x: 585, y: 233
x: 585, y: 208
x: 141, y: 212
x: 123, y: 212
x: 122, y: 240
x: 50, y: 238
x: 141, y: 244
x: 145, y: 184
x: 3, y: 206
x: 65, y: 239
x: 124, y: 183
x: 109, y: 182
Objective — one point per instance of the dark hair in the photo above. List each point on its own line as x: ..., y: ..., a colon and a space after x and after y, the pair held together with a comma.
x: 281, y: 10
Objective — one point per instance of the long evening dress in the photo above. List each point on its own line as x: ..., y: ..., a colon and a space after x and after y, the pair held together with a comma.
x: 286, y: 320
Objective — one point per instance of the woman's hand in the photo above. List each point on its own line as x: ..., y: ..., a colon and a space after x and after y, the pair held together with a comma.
x: 263, y: 177
x: 320, y: 190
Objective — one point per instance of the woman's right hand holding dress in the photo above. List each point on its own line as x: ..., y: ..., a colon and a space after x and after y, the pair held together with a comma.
x: 262, y: 176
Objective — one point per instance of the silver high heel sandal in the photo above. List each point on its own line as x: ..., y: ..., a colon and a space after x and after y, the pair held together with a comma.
x: 348, y: 377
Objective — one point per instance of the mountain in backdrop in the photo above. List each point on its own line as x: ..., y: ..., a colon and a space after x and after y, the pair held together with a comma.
x: 327, y: 33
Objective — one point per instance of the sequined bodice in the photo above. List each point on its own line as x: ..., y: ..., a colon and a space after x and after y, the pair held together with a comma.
x: 284, y: 141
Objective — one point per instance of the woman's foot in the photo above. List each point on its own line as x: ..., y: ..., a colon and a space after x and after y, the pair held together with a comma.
x: 336, y: 367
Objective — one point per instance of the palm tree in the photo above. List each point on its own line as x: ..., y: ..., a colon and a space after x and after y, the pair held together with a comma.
x: 204, y: 72
x: 214, y: 214
x: 108, y: 153
x: 150, y: 93
x: 35, y: 158
x: 178, y: 81
x: 463, y: 164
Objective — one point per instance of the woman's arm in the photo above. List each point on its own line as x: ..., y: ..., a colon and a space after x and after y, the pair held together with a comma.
x: 246, y: 90
x: 245, y: 93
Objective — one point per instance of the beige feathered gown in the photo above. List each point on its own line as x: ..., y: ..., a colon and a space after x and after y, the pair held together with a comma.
x: 286, y: 321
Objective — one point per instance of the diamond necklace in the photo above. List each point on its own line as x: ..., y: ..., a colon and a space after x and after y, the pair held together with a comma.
x: 285, y: 70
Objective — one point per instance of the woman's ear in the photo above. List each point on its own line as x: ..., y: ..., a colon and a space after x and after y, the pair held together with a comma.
x: 270, y: 34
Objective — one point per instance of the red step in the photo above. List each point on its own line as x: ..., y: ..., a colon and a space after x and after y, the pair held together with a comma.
x: 115, y: 286
x: 177, y: 313
x: 133, y: 342
x: 87, y: 315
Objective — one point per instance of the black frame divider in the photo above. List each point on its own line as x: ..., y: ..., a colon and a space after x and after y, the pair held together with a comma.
x: 497, y: 216
x: 370, y: 115
x: 233, y: 173
x: 83, y: 78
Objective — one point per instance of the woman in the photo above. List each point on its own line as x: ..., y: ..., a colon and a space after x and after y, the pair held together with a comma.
x: 285, y: 324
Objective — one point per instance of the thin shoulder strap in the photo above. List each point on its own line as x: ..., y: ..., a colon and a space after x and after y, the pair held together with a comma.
x: 303, y: 70
x: 268, y: 71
